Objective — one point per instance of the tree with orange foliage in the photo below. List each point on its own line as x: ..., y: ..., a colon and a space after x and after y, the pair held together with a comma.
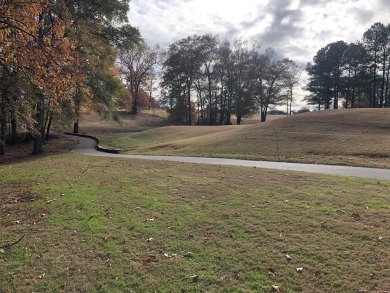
x: 33, y: 46
x: 99, y: 28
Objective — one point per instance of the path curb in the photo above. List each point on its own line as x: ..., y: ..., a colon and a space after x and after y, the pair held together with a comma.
x: 97, y: 146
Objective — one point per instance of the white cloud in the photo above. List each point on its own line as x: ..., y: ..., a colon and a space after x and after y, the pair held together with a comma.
x: 294, y: 28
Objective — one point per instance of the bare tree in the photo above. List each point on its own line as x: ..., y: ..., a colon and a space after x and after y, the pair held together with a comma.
x: 269, y: 80
x: 292, y: 77
x: 137, y: 66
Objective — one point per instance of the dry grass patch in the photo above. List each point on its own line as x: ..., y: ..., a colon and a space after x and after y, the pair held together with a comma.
x: 113, y: 225
x: 356, y: 137
x: 93, y: 124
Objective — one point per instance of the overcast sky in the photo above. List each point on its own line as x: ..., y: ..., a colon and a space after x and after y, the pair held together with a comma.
x: 294, y: 28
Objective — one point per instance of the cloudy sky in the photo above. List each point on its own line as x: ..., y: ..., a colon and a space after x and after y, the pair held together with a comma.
x: 294, y: 28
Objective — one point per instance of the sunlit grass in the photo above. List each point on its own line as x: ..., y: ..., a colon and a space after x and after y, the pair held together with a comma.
x: 114, y: 225
x: 356, y: 137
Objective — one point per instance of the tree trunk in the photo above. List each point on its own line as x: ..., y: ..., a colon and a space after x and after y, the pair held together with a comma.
x: 263, y: 116
x: 229, y: 110
x: 387, y: 98
x: 49, y: 126
x: 383, y: 80
x: 374, y: 89
x: 3, y: 122
x: 38, y: 139
x: 222, y: 110
x: 336, y: 101
x: 239, y: 119
x: 13, y: 127
x: 2, y: 130
x: 76, y: 126
x: 189, y: 105
x: 134, y: 107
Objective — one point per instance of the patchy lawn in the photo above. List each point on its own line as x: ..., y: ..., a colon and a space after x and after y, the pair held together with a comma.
x: 113, y: 225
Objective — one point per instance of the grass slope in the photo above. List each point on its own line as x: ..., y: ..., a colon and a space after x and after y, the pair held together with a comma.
x: 112, y: 225
x: 125, y: 123
x: 357, y: 137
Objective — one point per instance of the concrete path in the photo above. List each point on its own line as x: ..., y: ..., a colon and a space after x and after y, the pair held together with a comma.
x: 86, y: 146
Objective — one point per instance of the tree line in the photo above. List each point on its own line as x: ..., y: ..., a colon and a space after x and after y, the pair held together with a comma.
x: 355, y: 74
x: 206, y: 81
x: 226, y: 78
x: 57, y: 57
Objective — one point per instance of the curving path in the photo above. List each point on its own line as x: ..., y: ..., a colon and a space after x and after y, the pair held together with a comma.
x: 87, y: 146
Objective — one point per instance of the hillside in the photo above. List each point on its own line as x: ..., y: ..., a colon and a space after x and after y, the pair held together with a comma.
x: 358, y: 137
x: 94, y: 124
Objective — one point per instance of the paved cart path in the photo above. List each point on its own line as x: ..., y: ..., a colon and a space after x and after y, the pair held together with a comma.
x: 86, y: 146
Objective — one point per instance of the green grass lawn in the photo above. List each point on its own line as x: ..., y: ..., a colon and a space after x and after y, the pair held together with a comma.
x: 117, y: 225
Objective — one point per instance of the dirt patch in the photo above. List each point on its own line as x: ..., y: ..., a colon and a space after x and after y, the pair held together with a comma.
x: 14, y: 210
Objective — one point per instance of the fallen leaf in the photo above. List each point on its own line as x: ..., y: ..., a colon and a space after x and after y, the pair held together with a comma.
x: 356, y: 215
x: 317, y: 273
x: 236, y: 275
x: 271, y: 272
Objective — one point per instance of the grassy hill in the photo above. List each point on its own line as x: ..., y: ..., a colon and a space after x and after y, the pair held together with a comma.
x: 358, y: 137
x: 73, y: 223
